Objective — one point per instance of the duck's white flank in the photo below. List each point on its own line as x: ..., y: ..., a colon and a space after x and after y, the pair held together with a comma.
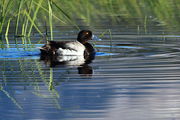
x: 72, y: 48
x: 72, y: 60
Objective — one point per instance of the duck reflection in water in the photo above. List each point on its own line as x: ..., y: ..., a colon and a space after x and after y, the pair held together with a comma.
x: 71, y: 53
x: 82, y: 62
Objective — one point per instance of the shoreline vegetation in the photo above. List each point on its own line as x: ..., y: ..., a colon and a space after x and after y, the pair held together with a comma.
x: 23, y: 16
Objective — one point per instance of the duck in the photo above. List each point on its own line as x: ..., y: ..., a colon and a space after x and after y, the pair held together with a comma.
x: 79, y: 47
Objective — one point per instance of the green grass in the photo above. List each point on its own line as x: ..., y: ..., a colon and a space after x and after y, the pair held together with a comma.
x: 28, y: 15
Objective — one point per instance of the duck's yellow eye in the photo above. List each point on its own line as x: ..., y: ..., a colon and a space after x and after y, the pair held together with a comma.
x: 86, y: 33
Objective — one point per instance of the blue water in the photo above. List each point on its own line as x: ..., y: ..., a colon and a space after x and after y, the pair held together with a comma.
x: 132, y: 77
x: 32, y: 52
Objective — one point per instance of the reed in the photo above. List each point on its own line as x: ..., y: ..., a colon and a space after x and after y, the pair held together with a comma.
x: 6, y: 34
x: 28, y: 15
x: 50, y: 18
x: 110, y: 35
x: 18, y: 16
x: 34, y: 17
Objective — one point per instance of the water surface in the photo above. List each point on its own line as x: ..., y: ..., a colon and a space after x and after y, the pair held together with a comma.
x: 134, y: 76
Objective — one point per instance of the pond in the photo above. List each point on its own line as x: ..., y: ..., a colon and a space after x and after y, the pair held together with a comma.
x: 134, y: 76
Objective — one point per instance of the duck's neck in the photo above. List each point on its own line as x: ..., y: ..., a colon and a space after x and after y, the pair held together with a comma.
x: 82, y: 41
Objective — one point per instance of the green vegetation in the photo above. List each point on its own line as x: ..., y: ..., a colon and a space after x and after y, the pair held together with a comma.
x: 28, y: 15
x: 25, y: 16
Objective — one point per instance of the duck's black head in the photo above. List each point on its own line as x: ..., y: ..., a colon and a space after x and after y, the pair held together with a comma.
x: 84, y: 36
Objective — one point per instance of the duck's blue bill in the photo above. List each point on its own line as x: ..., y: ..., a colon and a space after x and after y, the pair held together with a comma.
x: 94, y: 37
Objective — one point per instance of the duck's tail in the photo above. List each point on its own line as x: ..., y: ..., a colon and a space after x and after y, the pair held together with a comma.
x: 47, y: 48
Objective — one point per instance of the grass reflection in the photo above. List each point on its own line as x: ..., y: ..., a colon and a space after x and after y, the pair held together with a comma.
x: 7, y: 94
x: 48, y: 82
x: 30, y: 75
x: 11, y: 98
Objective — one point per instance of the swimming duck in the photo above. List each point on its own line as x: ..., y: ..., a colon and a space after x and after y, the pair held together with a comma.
x: 70, y: 48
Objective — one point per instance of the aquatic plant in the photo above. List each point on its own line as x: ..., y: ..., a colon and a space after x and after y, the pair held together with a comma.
x: 28, y: 15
